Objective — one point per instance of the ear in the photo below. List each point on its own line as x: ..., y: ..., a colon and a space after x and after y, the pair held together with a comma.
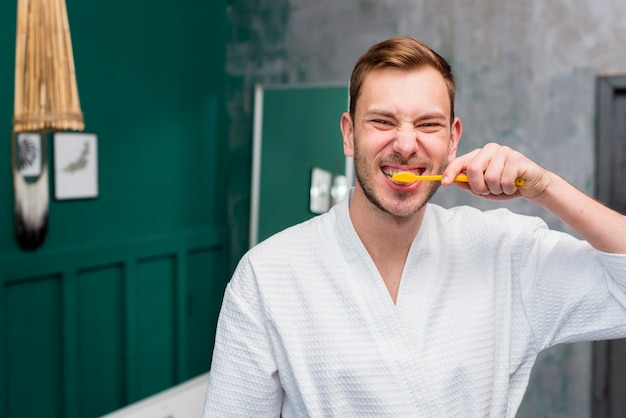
x: 347, y: 131
x: 455, y: 136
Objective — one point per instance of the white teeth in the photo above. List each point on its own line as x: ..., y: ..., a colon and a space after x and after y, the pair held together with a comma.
x: 390, y: 173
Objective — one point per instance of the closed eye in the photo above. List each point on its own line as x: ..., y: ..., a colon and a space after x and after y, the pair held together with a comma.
x: 382, y: 124
x: 431, y: 126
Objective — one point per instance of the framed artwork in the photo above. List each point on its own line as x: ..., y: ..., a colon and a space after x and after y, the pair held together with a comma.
x: 75, y: 165
x: 29, y: 154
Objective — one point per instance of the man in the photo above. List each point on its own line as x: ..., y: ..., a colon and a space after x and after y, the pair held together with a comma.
x: 390, y: 306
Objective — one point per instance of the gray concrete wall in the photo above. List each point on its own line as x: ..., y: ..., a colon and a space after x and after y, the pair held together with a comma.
x: 526, y: 76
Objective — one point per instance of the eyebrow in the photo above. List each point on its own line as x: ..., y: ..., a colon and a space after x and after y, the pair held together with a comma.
x: 379, y: 113
x: 386, y: 113
x: 433, y: 115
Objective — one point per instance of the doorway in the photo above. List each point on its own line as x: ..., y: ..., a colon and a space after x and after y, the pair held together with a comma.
x: 609, y: 357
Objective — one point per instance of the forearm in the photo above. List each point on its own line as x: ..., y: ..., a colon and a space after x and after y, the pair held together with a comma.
x: 492, y: 171
x: 603, y: 228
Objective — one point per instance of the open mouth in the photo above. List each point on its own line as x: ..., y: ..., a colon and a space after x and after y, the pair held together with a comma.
x: 390, y: 171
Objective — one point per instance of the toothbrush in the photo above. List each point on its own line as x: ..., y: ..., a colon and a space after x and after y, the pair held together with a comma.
x: 406, y: 177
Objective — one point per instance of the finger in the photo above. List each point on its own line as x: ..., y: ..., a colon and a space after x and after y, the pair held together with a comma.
x: 514, y: 169
x: 476, y: 170
x: 456, y: 167
x: 494, y: 171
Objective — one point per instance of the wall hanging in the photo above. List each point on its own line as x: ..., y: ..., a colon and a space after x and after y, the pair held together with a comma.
x: 46, y: 100
x: 75, y: 165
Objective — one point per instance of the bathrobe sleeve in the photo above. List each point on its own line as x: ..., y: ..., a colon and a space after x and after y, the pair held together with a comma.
x: 571, y: 291
x: 243, y: 380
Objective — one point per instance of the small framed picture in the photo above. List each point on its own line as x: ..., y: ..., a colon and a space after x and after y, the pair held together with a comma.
x: 75, y: 165
x: 29, y: 154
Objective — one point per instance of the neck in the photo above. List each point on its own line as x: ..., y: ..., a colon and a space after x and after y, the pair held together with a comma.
x: 379, y: 229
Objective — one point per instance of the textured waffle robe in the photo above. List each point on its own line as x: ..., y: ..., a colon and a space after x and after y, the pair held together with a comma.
x: 308, y: 329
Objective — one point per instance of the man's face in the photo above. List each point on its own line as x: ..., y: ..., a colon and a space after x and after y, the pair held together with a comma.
x: 401, y: 123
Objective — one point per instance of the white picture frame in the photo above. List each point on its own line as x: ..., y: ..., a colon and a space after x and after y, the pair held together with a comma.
x: 29, y: 154
x: 75, y: 165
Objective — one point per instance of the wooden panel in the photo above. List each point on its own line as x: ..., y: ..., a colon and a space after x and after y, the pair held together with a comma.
x: 90, y: 331
x: 162, y: 194
x: 206, y: 278
x: 100, y: 339
x: 155, y: 320
x: 34, y: 361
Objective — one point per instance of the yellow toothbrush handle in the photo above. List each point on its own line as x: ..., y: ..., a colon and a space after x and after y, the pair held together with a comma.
x: 406, y: 177
x: 463, y: 178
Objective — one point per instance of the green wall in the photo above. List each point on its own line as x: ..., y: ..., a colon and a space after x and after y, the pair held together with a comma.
x: 121, y: 299
x: 150, y: 77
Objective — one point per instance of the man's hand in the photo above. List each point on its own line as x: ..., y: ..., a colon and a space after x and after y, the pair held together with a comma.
x: 492, y: 171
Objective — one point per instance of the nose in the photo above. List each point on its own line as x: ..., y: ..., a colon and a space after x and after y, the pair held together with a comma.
x: 405, y: 142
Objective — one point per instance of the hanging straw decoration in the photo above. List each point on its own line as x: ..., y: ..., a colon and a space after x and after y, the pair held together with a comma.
x: 46, y: 100
x: 46, y: 96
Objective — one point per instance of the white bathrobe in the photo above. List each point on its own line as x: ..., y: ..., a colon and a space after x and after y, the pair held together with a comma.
x: 308, y: 328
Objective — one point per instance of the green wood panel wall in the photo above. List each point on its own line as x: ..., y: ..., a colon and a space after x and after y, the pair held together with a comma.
x: 89, y: 331
x: 201, y: 316
x: 99, y: 337
x: 122, y: 298
x: 155, y: 329
x: 33, y: 353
